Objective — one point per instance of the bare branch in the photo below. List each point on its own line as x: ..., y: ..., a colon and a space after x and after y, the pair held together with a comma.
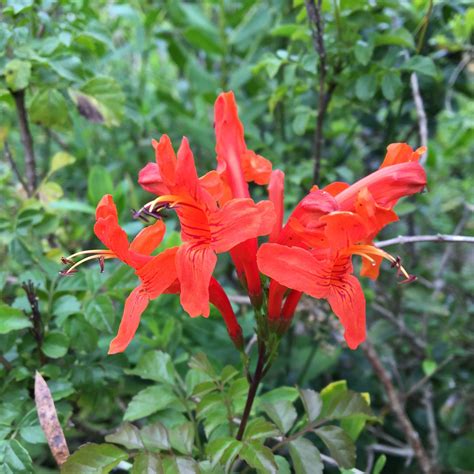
x: 412, y: 436
x: 8, y: 156
x: 453, y: 78
x: 409, y: 239
x: 420, y: 112
x: 26, y: 139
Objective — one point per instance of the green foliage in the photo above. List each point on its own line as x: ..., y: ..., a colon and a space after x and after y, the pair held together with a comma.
x: 100, y: 80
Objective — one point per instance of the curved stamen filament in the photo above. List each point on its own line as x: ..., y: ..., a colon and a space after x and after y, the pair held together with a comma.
x: 85, y: 252
x: 366, y: 251
x: 92, y: 257
x: 170, y: 199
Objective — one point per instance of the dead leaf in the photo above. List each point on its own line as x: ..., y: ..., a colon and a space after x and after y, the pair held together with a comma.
x: 49, y: 420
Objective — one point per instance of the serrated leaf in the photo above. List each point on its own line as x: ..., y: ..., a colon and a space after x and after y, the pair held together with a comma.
x: 148, y: 401
x: 55, y: 344
x: 60, y: 160
x: 259, y: 428
x: 182, y: 437
x: 17, y: 74
x: 99, y: 182
x: 155, y: 365
x: 258, y: 456
x: 12, y: 319
x: 93, y: 458
x: 223, y: 450
x: 340, y: 445
x: 421, y: 65
x: 282, y: 413
x: 147, y: 463
x: 100, y: 100
x: 127, y: 435
x: 312, y: 403
x: 49, y: 109
x: 14, y: 458
x: 155, y: 437
x: 305, y: 456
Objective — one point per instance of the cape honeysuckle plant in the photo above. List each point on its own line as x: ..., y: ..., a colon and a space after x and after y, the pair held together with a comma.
x: 311, y: 253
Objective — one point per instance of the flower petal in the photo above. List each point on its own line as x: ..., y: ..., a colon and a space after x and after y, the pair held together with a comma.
x: 348, y: 303
x: 160, y: 273
x: 135, y: 304
x: 106, y: 207
x: 195, y: 265
x: 276, y: 189
x: 150, y: 179
x: 166, y: 160
x: 230, y: 143
x: 343, y: 229
x: 401, y: 153
x: 240, y: 220
x: 256, y: 168
x: 292, y: 267
x: 113, y: 237
x: 387, y: 185
x: 335, y: 188
x: 149, y: 238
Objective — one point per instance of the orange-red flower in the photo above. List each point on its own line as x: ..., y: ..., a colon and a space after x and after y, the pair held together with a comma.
x: 312, y: 253
x: 207, y: 228
x: 157, y: 274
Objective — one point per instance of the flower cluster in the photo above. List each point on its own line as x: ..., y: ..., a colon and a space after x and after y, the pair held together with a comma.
x: 311, y: 253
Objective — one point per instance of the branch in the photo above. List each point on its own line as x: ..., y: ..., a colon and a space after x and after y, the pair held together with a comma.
x: 409, y: 239
x: 412, y: 436
x: 420, y: 112
x: 8, y: 156
x: 26, y: 140
x: 317, y: 29
x: 37, y: 330
x: 453, y: 78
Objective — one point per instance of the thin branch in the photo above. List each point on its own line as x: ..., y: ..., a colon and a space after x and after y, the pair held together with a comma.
x: 36, y: 319
x: 409, y: 239
x: 256, y: 379
x: 420, y: 112
x: 453, y: 78
x: 325, y: 94
x: 383, y: 448
x: 412, y: 436
x: 8, y: 156
x: 26, y: 140
x: 431, y: 421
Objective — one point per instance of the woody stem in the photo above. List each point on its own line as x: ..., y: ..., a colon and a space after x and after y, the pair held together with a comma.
x: 256, y: 379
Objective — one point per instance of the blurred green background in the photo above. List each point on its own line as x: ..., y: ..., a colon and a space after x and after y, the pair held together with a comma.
x: 148, y: 68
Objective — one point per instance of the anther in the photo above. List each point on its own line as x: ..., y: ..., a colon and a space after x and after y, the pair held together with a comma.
x: 102, y: 264
x: 410, y: 279
x: 66, y: 261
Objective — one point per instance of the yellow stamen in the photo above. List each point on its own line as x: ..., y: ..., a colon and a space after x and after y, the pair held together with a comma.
x: 85, y: 252
x: 171, y: 199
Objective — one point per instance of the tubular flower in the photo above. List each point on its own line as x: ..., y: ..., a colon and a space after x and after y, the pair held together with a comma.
x: 312, y: 253
x: 207, y: 229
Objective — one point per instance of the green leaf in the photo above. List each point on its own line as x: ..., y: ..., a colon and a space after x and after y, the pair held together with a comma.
x: 148, y: 401
x: 93, y: 458
x: 259, y: 428
x: 283, y: 465
x: 200, y: 362
x: 401, y: 37
x: 282, y: 413
x: 429, y: 366
x: 300, y: 122
x: 340, y: 445
x: 14, y: 458
x: 100, y: 100
x: 366, y: 87
x: 50, y: 192
x: 55, y: 344
x: 60, y: 160
x: 256, y: 22
x: 461, y: 453
x: 363, y: 52
x: 155, y: 365
x: 258, y: 456
x: 180, y: 465
x: 182, y: 437
x: 379, y: 465
x: 12, y: 319
x: 155, y: 437
x: 223, y: 450
x: 338, y: 402
x: 64, y: 306
x: 17, y: 74
x: 99, y: 183
x: 391, y: 85
x: 421, y: 65
x: 147, y: 463
x: 312, y: 403
x: 282, y: 393
x: 127, y: 435
x: 100, y: 313
x: 204, y: 40
x: 50, y: 109
x: 305, y: 456
x: 33, y: 434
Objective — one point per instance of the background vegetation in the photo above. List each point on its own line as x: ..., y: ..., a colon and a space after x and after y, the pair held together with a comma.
x: 93, y: 82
